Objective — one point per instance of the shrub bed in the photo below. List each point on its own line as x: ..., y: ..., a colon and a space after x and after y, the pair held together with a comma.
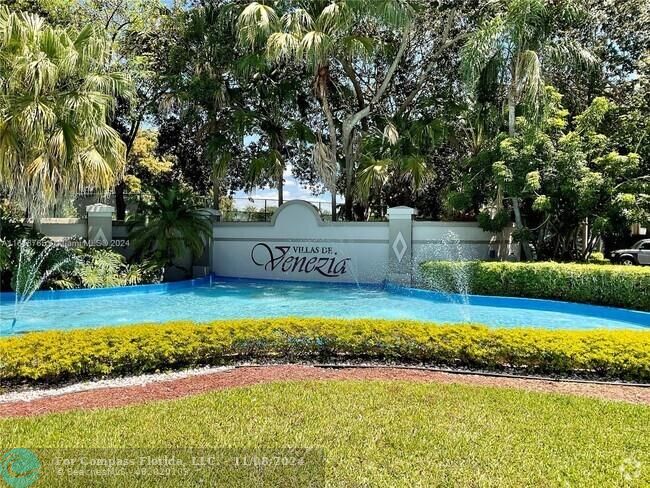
x: 617, y: 286
x: 58, y: 356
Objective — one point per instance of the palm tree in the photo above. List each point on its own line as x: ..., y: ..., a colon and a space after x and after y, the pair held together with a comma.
x: 269, y: 109
x: 168, y: 224
x: 323, y: 34
x: 400, y: 157
x: 278, y: 133
x: 56, y: 95
x: 514, y: 48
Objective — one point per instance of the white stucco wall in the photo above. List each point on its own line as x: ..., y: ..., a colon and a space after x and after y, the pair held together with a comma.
x: 454, y: 240
x: 62, y: 228
x: 298, y: 245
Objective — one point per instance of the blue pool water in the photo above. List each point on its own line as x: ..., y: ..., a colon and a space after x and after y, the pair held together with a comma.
x: 204, y: 300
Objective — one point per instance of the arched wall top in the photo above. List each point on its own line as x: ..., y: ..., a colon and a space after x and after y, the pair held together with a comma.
x: 294, y: 204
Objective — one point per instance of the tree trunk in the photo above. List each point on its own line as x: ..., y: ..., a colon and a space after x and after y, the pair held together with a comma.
x: 120, y: 201
x: 333, y: 149
x: 518, y: 222
x: 350, y: 123
x: 281, y: 189
x: 512, y: 129
x: 216, y: 190
x: 349, y: 173
x: 348, y: 141
x: 277, y: 146
x: 334, y: 205
x: 349, y: 198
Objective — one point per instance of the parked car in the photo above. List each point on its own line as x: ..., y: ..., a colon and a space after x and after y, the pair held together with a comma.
x: 638, y: 254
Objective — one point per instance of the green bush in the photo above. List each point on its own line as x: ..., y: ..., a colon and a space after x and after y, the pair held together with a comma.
x: 73, y: 355
x: 617, y: 286
x: 598, y: 258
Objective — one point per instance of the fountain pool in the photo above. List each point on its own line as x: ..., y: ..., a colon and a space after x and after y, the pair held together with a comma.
x: 214, y: 298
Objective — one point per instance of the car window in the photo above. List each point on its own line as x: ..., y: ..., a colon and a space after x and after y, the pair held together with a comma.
x: 645, y: 246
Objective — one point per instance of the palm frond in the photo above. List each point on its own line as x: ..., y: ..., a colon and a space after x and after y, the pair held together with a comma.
x: 414, y: 169
x: 481, y: 48
x: 282, y: 46
x: 358, y: 46
x: 249, y: 64
x: 324, y: 164
x: 315, y: 47
x: 572, y: 11
x: 391, y: 134
x: 393, y: 13
x: 256, y: 22
x: 297, y: 21
x: 167, y: 226
x: 568, y: 52
x: 372, y: 176
x: 335, y: 17
x: 526, y: 20
x: 530, y: 80
x: 57, y: 92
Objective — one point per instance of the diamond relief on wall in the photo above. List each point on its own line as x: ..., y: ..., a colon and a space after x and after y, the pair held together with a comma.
x: 399, y: 247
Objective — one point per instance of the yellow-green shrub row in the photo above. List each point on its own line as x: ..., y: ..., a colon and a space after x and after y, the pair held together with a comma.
x: 617, y: 286
x: 59, y: 356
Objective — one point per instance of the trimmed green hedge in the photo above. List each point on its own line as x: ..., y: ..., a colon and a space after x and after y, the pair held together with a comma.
x: 617, y: 286
x: 90, y: 353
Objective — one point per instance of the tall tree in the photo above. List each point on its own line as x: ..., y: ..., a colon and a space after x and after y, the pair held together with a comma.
x: 56, y: 95
x: 512, y: 51
x: 576, y: 183
x: 140, y: 33
x: 241, y: 112
x: 326, y: 34
x: 272, y: 101
x: 202, y: 125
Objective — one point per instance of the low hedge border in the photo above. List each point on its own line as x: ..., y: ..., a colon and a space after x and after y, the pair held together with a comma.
x: 60, y: 356
x: 616, y: 286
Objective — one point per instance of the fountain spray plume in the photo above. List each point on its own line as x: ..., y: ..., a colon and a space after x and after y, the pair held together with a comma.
x: 29, y: 277
x: 454, y: 286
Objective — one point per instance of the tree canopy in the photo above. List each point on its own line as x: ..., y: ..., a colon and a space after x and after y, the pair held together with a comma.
x: 532, y: 111
x: 57, y: 94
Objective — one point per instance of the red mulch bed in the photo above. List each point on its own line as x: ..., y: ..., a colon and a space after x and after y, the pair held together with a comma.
x: 252, y: 375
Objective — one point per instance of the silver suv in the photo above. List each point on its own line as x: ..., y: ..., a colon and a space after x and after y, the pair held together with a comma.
x: 639, y: 253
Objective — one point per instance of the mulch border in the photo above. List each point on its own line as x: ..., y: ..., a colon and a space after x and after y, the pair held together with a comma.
x: 112, y: 397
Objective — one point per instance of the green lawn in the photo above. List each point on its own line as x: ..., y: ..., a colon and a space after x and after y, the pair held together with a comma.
x: 383, y: 433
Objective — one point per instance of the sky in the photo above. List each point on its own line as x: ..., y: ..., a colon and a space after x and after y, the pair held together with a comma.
x: 292, y: 191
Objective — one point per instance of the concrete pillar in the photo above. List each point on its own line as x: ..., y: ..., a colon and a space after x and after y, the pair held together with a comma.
x: 400, y: 249
x: 215, y: 215
x: 100, y: 224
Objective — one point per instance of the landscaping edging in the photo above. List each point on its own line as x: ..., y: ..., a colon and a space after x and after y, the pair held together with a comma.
x: 61, y: 357
x: 110, y: 397
x: 597, y: 284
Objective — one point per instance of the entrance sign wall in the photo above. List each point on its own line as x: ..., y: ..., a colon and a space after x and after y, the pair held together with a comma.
x: 298, y: 245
